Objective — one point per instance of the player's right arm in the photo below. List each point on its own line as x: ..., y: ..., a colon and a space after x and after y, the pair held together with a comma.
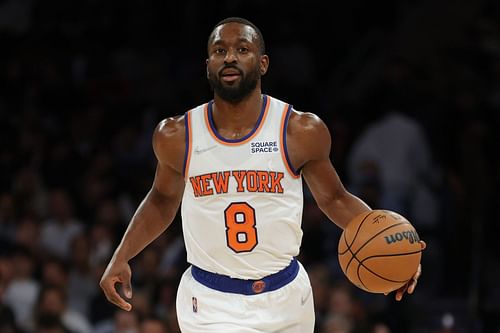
x: 155, y: 213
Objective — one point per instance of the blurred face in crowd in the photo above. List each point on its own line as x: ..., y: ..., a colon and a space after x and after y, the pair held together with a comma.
x: 341, y: 301
x: 53, y: 273
x: 61, y: 206
x: 23, y: 265
x: 235, y: 62
x: 152, y: 326
x: 126, y: 322
x: 6, y: 273
x: 52, y: 302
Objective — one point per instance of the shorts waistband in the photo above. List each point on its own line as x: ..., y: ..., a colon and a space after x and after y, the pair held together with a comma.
x: 246, y: 287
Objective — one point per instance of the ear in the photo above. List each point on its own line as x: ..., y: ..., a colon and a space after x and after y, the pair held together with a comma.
x: 208, y: 74
x: 264, y: 64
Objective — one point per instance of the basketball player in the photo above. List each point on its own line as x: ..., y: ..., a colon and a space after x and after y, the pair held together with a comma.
x: 236, y: 164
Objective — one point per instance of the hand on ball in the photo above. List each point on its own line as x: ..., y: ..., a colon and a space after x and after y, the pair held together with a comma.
x: 410, y: 286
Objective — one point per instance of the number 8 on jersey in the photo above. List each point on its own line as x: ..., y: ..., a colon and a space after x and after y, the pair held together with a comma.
x: 241, y: 234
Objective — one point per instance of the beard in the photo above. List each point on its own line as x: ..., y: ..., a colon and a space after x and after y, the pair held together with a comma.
x: 235, y: 92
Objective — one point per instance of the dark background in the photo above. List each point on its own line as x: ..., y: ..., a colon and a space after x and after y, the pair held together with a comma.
x: 84, y: 83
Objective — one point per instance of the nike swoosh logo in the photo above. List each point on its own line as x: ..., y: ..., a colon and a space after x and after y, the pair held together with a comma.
x: 199, y: 150
x: 303, y: 300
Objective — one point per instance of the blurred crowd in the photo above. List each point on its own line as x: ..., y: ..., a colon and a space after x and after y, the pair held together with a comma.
x: 409, y: 89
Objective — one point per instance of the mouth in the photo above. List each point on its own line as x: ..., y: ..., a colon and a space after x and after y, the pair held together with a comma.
x: 230, y: 74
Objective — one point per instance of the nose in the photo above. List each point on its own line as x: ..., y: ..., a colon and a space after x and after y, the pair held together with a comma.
x: 231, y: 56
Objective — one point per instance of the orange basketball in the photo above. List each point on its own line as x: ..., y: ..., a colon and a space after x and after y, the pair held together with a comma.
x: 379, y: 251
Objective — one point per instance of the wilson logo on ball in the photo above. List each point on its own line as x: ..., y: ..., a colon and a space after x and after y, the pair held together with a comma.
x: 409, y: 235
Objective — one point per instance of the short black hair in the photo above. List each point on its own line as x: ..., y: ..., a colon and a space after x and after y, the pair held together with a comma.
x: 235, y: 19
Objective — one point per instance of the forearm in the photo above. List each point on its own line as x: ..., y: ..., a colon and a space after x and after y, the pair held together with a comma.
x: 152, y: 218
x: 342, y: 208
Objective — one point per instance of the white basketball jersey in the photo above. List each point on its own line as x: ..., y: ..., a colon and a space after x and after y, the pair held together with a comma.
x: 242, y: 204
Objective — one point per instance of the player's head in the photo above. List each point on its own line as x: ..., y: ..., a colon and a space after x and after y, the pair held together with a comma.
x: 257, y: 34
x: 236, y: 59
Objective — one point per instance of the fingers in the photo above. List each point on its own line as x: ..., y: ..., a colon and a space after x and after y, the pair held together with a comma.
x: 418, y: 273
x: 108, y: 287
x: 414, y: 280
x: 410, y: 286
x: 400, y: 292
x: 127, y: 288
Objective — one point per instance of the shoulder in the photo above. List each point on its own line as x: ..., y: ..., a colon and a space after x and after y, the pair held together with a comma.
x: 308, y: 138
x: 170, y: 128
x: 307, y: 125
x: 169, y: 141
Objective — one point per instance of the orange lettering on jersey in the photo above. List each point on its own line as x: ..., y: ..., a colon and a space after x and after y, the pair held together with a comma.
x: 263, y: 177
x: 251, y: 181
x: 247, y: 180
x: 196, y: 184
x: 276, y: 178
x: 220, y: 180
x: 205, y: 185
x: 239, y: 175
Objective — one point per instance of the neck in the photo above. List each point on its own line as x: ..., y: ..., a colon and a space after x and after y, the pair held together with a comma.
x: 237, y: 119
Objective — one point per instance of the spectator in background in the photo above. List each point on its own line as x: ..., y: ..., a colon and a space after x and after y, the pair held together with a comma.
x: 22, y: 289
x: 82, y: 286
x: 52, y: 301
x: 54, y: 272
x: 320, y: 278
x: 120, y: 322
x: 7, y: 222
x: 153, y: 325
x: 28, y: 185
x: 345, y: 313
x: 61, y: 226
x: 164, y: 299
x: 7, y: 320
x: 27, y: 233
x: 108, y: 213
x: 50, y: 324
x: 380, y: 328
x: 337, y: 324
x: 126, y: 322
x: 102, y: 239
x: 391, y: 165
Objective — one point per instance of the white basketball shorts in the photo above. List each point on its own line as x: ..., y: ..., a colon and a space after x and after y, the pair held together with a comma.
x: 246, y: 306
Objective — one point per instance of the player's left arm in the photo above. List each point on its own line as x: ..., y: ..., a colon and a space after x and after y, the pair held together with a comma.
x: 309, y: 144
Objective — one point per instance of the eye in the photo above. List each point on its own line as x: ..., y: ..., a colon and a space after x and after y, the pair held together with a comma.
x: 243, y: 49
x: 219, y: 50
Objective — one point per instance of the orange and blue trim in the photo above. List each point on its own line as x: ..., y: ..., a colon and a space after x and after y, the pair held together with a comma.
x: 209, y: 120
x: 188, y: 140
x: 284, y: 151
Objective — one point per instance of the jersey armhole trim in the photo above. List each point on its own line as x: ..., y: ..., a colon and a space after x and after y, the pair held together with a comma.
x: 284, y: 151
x: 188, y: 144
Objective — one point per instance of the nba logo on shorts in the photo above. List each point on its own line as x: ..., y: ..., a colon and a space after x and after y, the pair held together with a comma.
x: 195, y: 304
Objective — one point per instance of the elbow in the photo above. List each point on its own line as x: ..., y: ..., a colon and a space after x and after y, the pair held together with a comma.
x: 331, y: 200
x: 327, y: 204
